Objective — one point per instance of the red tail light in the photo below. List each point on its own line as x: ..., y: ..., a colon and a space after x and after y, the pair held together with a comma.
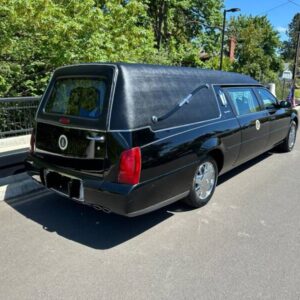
x: 130, y: 166
x: 64, y: 120
x: 32, y: 141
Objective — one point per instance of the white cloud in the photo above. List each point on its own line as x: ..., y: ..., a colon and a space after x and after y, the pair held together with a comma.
x: 281, y: 29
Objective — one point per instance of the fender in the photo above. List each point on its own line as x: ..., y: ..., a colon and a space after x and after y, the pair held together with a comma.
x: 294, y: 117
x: 215, y: 148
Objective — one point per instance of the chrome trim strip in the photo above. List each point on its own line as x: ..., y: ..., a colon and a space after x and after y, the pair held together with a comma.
x: 112, y: 96
x: 191, y: 129
x: 159, y: 130
x: 96, y: 138
x: 37, y: 150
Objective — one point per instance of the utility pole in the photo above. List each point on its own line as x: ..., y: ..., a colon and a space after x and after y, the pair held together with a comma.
x: 296, y: 67
x: 296, y: 57
x: 223, y: 33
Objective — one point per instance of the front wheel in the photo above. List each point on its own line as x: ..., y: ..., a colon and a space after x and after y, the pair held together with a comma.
x: 289, y: 142
x: 203, y: 183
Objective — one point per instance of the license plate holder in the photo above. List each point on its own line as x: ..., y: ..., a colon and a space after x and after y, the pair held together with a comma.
x: 66, y: 185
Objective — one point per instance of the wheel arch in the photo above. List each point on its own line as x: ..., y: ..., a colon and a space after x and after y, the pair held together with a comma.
x: 218, y: 155
x: 295, y: 118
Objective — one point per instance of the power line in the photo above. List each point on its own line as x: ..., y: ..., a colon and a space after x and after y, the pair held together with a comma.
x: 275, y: 7
x: 297, y: 4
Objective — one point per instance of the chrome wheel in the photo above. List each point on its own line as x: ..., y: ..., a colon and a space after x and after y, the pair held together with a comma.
x: 292, y: 136
x: 204, y: 180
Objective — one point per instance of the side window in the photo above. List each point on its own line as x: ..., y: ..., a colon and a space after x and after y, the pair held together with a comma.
x: 244, y: 100
x: 268, y: 99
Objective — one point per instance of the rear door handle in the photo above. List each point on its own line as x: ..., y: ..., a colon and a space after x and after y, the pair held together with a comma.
x: 96, y: 138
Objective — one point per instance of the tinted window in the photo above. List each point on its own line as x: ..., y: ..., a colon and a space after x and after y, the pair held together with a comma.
x: 268, y: 99
x: 78, y: 97
x: 244, y: 100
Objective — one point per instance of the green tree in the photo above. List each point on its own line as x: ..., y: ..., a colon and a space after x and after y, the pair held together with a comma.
x: 289, y: 46
x: 184, y: 28
x: 257, y: 47
x: 36, y: 36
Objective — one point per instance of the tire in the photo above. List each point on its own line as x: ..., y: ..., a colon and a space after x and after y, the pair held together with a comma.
x: 289, y: 142
x: 200, y: 196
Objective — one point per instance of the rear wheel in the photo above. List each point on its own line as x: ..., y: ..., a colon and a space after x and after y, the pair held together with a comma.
x: 289, y: 142
x: 203, y: 183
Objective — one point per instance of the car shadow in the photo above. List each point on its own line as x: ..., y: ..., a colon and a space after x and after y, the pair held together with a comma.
x: 83, y: 224
x: 245, y: 166
x: 96, y: 229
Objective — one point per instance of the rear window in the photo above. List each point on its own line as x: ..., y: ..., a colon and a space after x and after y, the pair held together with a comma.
x: 77, y: 97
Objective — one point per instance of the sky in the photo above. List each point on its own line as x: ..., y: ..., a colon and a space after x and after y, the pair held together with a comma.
x: 279, y: 12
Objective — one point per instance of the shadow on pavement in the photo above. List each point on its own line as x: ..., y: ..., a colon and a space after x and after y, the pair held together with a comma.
x: 244, y: 167
x: 85, y: 225
x: 96, y: 229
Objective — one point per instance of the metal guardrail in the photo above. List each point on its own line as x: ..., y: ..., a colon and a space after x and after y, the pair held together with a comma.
x: 17, y: 115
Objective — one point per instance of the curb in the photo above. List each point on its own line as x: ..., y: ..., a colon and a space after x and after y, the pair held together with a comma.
x: 13, y: 179
x: 18, y: 185
x: 12, y: 162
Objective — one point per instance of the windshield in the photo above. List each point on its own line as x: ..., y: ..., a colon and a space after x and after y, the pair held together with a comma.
x: 77, y: 97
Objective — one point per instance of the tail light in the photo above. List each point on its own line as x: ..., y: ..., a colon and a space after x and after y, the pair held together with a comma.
x: 64, y: 120
x: 130, y: 166
x: 32, y: 141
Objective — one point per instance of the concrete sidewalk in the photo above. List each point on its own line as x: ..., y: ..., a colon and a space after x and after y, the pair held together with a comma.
x: 14, y: 143
x: 13, y: 151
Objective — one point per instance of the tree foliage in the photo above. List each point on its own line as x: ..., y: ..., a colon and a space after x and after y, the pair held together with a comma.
x: 257, y: 45
x: 185, y: 27
x: 289, y: 46
x: 37, y: 36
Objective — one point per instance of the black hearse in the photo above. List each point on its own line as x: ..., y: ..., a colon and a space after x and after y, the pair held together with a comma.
x: 130, y: 138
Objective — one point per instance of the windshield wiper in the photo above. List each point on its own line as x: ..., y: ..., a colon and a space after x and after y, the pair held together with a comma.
x: 186, y: 100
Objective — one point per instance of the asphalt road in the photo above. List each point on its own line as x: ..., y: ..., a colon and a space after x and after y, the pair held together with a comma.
x: 245, y: 244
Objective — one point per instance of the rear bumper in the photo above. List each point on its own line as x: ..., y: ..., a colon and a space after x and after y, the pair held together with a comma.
x: 124, y: 199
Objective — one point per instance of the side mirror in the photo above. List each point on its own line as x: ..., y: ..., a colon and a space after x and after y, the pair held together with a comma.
x: 285, y: 104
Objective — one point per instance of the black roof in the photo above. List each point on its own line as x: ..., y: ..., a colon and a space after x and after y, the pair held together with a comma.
x: 211, y: 76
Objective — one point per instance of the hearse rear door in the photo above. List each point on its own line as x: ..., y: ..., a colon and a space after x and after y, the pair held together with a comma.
x: 72, y: 118
x: 253, y: 121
